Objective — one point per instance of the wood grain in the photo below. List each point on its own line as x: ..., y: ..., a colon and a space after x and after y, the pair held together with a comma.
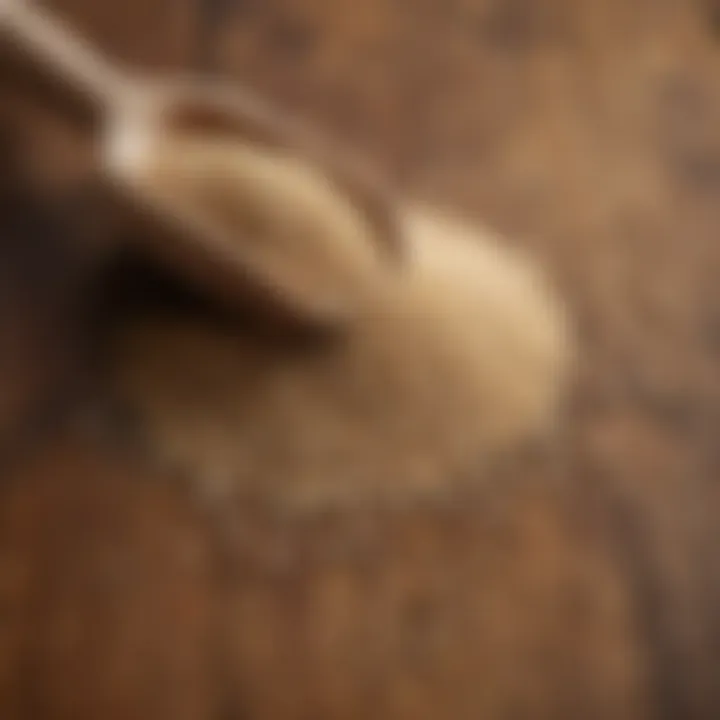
x: 587, y: 587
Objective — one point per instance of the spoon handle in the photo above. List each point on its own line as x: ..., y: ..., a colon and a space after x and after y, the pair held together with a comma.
x: 60, y: 53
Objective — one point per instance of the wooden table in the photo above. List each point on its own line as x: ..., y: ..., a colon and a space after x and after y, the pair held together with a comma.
x: 586, y: 585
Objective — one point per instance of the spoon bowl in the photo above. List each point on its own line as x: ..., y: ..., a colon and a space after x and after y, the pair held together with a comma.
x: 137, y: 114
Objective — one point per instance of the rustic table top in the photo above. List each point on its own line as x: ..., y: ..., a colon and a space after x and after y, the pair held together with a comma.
x: 587, y: 585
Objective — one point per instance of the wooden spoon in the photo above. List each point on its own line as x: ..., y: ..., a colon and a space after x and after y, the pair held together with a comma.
x: 133, y: 116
